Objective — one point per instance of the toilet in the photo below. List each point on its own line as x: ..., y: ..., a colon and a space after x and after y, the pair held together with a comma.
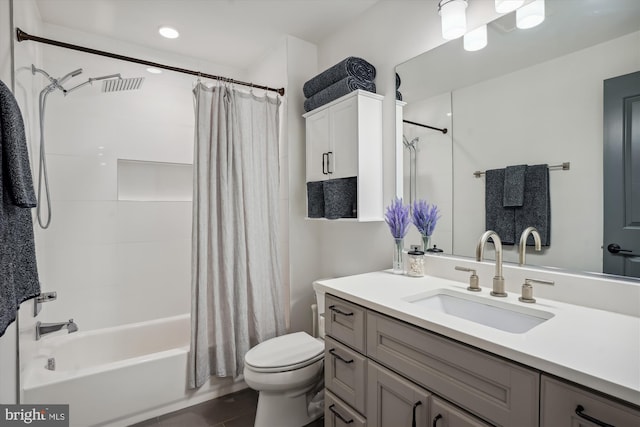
x: 287, y: 371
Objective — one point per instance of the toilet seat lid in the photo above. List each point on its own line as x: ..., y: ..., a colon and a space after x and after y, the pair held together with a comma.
x: 286, y: 351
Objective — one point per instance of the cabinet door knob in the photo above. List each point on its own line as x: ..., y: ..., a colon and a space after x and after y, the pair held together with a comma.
x: 581, y: 414
x: 337, y: 356
x: 337, y: 414
x: 415, y: 405
x: 435, y: 420
x: 337, y: 310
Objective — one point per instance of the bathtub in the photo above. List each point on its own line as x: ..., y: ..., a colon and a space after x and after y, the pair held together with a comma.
x: 118, y: 376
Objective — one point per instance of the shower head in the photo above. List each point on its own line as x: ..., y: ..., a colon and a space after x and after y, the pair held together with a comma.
x: 120, y: 84
x: 72, y: 74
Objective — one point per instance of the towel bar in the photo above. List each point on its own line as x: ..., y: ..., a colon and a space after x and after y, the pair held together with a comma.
x: 565, y: 166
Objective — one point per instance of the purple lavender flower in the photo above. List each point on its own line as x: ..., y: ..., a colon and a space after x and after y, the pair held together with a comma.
x: 397, y: 217
x: 425, y: 217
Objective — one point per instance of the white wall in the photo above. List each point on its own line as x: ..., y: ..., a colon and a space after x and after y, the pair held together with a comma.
x: 114, y: 261
x: 494, y: 128
x: 389, y: 33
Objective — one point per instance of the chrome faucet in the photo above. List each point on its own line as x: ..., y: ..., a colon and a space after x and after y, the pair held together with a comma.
x: 498, y: 280
x: 522, y: 252
x: 47, y: 328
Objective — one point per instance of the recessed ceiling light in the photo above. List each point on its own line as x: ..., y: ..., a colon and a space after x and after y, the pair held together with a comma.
x: 154, y: 70
x: 168, y: 32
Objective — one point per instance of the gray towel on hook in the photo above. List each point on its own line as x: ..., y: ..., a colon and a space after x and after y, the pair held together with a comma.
x: 337, y: 90
x: 348, y: 67
x: 18, y: 269
x: 536, y: 208
x: 514, y: 186
x: 498, y: 218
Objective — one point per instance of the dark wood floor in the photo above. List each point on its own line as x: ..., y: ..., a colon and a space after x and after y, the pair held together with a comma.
x: 233, y: 410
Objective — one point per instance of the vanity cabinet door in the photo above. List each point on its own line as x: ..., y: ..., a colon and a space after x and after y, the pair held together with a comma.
x: 503, y: 393
x: 394, y: 401
x: 344, y: 321
x: 446, y: 415
x: 345, y: 373
x: 339, y: 414
x: 562, y: 404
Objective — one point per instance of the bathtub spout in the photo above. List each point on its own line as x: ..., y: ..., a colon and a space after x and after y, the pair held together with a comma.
x: 47, y: 328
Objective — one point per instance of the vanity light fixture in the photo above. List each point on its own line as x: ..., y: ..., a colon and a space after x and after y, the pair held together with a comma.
x: 168, y: 32
x: 454, y: 18
x: 475, y: 39
x: 530, y: 15
x: 506, y: 6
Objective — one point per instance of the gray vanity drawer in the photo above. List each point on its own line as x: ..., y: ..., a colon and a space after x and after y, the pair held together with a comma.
x: 559, y: 401
x: 344, y: 321
x: 500, y: 392
x: 345, y: 373
x: 338, y: 414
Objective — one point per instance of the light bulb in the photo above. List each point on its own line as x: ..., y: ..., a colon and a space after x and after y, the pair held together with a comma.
x: 530, y: 15
x: 506, y: 6
x: 454, y: 18
x: 476, y: 39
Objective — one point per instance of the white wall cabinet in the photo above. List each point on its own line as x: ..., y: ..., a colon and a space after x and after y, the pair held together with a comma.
x: 344, y: 139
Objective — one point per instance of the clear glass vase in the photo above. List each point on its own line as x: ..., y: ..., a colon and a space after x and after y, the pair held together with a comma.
x: 398, y: 257
x: 426, y: 243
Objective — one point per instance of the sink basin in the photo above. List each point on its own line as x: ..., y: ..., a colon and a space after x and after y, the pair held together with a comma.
x: 496, y: 314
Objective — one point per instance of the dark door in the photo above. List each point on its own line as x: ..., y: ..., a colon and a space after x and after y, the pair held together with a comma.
x: 621, y: 254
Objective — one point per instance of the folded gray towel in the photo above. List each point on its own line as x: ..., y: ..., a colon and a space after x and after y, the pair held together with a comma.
x: 514, y: 186
x: 315, y: 199
x: 349, y: 67
x: 498, y: 218
x: 536, y: 208
x: 18, y: 268
x: 398, y: 95
x: 336, y: 90
x: 341, y: 198
x: 14, y: 146
x: 398, y: 81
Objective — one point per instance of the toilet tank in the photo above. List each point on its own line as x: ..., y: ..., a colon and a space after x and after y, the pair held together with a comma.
x: 318, y: 320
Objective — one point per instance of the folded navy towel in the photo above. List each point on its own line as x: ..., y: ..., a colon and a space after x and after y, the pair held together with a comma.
x: 349, y: 67
x: 341, y: 198
x: 398, y: 81
x: 18, y: 268
x: 514, y: 186
x: 315, y: 199
x: 498, y: 218
x: 536, y: 207
x: 336, y: 90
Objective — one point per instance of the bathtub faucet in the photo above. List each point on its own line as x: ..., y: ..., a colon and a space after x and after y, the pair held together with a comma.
x: 47, y: 328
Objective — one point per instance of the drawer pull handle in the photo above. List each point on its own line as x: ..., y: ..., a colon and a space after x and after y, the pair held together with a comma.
x: 415, y: 405
x: 581, y: 414
x: 337, y: 356
x: 337, y: 414
x: 337, y: 310
x: 436, y: 419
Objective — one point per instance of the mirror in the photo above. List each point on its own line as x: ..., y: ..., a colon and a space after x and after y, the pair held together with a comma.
x: 530, y: 97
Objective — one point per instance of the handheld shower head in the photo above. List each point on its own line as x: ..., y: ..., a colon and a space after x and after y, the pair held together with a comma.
x: 72, y: 74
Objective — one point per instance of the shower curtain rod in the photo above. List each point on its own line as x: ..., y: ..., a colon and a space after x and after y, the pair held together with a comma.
x: 443, y: 130
x: 22, y: 36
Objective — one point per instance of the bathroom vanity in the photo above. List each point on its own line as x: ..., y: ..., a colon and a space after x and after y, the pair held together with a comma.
x: 403, y: 351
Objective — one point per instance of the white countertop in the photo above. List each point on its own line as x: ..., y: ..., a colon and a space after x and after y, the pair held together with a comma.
x: 595, y: 348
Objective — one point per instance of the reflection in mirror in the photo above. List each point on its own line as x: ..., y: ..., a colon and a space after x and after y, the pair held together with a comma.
x: 530, y: 97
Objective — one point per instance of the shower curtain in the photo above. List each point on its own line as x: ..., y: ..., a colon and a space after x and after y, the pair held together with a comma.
x: 237, y: 298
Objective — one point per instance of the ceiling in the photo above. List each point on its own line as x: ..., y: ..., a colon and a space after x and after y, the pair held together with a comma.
x: 234, y: 33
